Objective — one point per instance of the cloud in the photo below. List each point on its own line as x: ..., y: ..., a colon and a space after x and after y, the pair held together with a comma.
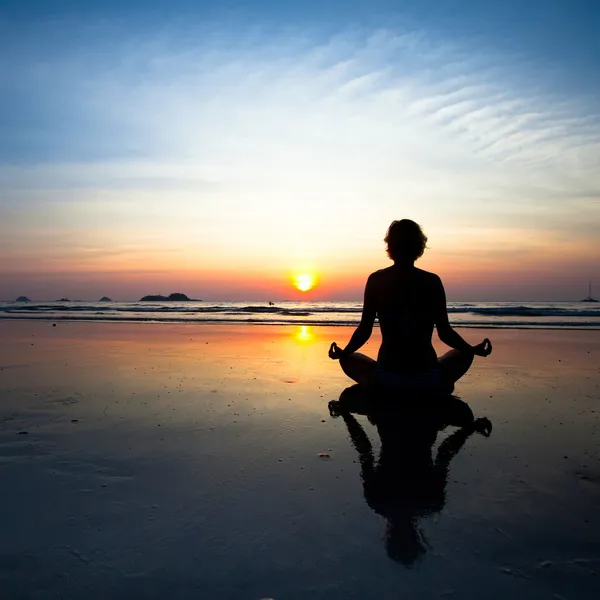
x: 300, y: 146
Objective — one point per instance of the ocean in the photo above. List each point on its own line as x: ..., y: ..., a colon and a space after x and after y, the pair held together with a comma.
x: 517, y: 315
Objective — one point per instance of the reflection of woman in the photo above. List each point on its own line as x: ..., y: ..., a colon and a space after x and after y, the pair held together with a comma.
x: 406, y: 483
x: 409, y: 303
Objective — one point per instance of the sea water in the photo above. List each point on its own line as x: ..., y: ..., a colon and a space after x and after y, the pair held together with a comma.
x: 531, y: 315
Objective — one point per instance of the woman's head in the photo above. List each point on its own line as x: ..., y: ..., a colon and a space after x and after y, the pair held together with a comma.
x: 405, y: 241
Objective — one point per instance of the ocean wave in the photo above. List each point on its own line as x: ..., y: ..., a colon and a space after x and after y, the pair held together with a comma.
x: 462, y: 314
x: 103, y: 317
x: 525, y: 311
x: 306, y: 310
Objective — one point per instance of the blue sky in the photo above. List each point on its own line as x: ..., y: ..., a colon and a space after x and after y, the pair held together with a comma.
x: 154, y: 141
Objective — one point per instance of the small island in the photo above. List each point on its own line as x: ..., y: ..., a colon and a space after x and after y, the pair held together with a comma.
x: 22, y: 299
x: 105, y: 299
x: 177, y: 297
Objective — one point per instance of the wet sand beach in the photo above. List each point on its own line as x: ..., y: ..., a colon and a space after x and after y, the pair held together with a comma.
x: 179, y: 461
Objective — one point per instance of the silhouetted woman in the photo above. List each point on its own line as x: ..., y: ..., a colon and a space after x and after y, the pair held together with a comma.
x: 409, y: 303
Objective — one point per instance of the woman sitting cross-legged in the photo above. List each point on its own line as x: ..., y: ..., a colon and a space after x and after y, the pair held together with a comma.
x: 409, y: 303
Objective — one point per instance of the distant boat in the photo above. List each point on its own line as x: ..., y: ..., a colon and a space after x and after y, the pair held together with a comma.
x: 589, y: 296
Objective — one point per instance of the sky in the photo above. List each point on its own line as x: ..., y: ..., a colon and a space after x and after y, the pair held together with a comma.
x: 220, y: 148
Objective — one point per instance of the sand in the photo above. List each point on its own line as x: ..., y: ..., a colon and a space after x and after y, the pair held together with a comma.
x: 201, y: 461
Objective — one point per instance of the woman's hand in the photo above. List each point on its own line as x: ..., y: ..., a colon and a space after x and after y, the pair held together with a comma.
x: 483, y: 349
x: 335, y: 352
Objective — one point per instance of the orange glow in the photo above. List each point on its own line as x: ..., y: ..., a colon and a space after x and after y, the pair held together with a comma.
x: 304, y: 334
x: 304, y: 281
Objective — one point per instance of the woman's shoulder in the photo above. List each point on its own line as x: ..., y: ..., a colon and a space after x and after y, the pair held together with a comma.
x: 390, y: 272
x: 428, y: 276
x: 381, y: 272
x: 379, y: 275
x: 419, y: 280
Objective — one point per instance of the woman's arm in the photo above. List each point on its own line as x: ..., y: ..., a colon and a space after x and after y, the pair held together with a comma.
x: 446, y: 333
x: 363, y: 332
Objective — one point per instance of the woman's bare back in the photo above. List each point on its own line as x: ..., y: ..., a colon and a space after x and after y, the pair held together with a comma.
x: 407, y: 301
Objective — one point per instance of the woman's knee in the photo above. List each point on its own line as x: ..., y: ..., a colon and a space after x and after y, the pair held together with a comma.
x: 351, y: 363
x: 346, y: 363
x: 455, y: 364
x: 358, y: 367
x: 467, y: 357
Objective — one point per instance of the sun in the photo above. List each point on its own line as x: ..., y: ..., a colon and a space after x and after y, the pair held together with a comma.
x: 304, y: 281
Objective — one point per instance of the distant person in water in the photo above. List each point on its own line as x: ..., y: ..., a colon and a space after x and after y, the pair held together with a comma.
x: 409, y: 303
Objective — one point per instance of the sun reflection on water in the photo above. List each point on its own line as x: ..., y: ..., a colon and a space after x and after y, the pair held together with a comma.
x: 304, y: 334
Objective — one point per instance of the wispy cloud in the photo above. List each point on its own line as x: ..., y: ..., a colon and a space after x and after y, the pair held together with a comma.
x: 299, y: 146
